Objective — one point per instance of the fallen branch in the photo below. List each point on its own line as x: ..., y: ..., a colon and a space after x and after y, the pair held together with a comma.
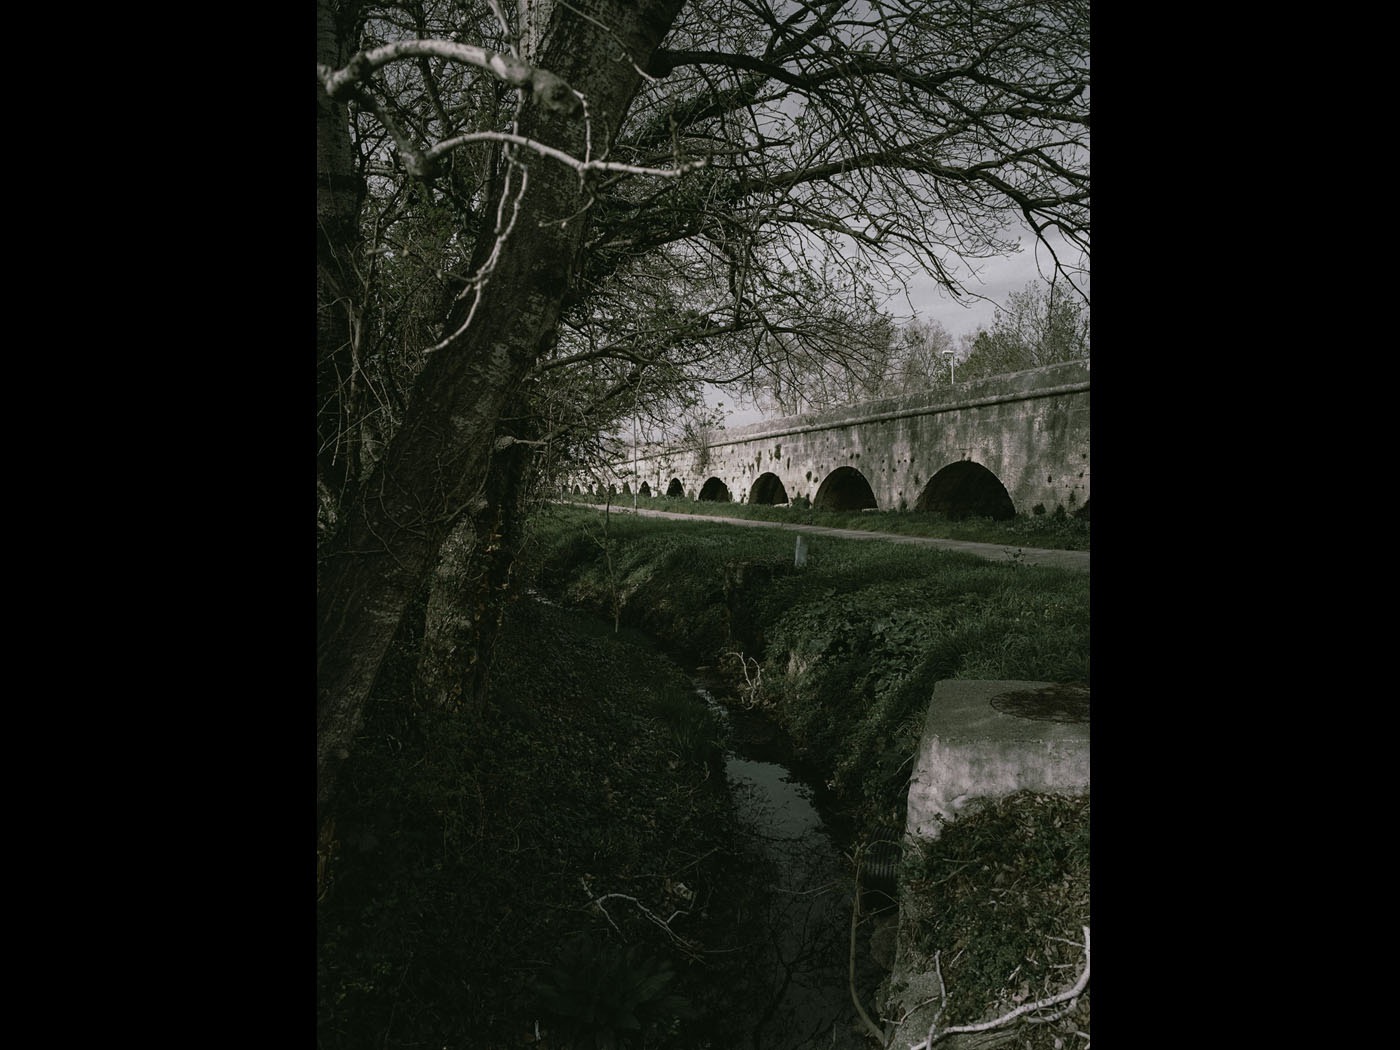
x: 870, y: 1025
x: 754, y: 681
x: 1020, y: 1011
x: 665, y: 924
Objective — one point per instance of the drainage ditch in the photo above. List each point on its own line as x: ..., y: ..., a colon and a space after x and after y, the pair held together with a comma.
x: 802, y: 950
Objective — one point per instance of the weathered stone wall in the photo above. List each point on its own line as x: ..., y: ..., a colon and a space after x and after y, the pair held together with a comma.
x: 1030, y: 429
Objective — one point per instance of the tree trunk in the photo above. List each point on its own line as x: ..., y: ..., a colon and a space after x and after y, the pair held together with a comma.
x: 435, y: 468
x: 339, y: 194
x: 472, y: 576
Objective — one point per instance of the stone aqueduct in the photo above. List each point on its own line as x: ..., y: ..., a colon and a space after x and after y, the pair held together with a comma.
x: 1012, y: 444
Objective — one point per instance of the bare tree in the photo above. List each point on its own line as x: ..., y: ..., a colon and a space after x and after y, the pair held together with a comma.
x: 615, y: 201
x: 1038, y: 325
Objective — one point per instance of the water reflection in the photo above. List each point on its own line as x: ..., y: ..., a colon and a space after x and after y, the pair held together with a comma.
x: 771, y: 800
x: 802, y: 943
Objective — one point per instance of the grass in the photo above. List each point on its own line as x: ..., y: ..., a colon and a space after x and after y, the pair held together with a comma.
x: 850, y: 648
x: 1002, y: 898
x: 454, y: 905
x: 454, y: 901
x: 1043, y: 531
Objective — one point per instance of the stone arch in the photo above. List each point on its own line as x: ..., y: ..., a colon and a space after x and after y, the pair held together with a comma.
x: 966, y: 490
x: 768, y: 488
x: 645, y: 489
x: 845, y: 488
x: 715, y: 491
x: 578, y: 491
x: 675, y: 488
x: 627, y: 488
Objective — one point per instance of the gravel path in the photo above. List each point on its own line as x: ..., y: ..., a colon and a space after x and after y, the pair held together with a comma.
x: 1076, y: 560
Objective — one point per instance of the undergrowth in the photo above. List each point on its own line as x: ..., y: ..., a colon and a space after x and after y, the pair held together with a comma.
x: 849, y: 647
x: 1002, y: 897
x: 457, y: 887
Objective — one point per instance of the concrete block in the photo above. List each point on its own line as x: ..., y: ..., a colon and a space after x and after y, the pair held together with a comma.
x: 985, y: 740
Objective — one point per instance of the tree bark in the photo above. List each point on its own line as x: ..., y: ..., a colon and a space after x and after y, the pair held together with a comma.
x: 339, y: 195
x: 472, y: 577
x: 435, y: 468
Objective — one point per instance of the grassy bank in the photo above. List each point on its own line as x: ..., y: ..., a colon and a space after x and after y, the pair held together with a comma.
x: 844, y: 653
x: 1046, y: 531
x: 562, y: 870
x: 569, y: 857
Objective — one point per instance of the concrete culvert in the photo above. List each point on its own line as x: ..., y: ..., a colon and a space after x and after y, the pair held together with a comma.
x: 880, y: 863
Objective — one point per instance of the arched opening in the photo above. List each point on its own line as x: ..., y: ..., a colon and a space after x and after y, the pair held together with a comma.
x: 612, y: 489
x: 675, y: 488
x: 966, y: 490
x: 645, y: 490
x: 845, y: 488
x: 627, y: 488
x: 578, y: 491
x: 768, y: 488
x: 715, y: 491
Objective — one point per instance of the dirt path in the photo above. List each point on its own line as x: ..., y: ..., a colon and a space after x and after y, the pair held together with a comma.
x: 1076, y: 560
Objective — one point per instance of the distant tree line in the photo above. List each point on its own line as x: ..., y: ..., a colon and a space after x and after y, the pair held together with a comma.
x: 1038, y: 325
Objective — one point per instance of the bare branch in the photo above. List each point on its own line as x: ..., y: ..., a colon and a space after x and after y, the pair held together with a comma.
x: 549, y: 90
x: 581, y: 166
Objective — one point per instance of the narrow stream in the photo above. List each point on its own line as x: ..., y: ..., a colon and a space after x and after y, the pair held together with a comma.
x: 803, y: 947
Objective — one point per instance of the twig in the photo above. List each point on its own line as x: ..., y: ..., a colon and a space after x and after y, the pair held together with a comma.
x: 567, y: 159
x: 754, y: 682
x: 1005, y: 1019
x: 870, y: 1025
x: 665, y: 924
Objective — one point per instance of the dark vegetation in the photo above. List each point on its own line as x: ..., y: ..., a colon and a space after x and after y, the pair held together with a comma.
x: 848, y: 648
x: 455, y: 893
x: 1000, y: 899
x: 457, y: 887
x: 843, y: 654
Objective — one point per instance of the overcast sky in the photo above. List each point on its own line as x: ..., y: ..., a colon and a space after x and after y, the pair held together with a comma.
x: 996, y: 279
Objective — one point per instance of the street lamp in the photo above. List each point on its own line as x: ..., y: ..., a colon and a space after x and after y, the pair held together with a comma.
x: 948, y: 356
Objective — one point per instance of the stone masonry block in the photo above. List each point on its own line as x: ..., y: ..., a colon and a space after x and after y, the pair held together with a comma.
x: 985, y: 740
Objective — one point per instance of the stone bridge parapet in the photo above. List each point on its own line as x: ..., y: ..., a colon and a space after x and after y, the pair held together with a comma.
x: 996, y: 447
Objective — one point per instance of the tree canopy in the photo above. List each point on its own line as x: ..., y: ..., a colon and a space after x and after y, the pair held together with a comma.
x: 1038, y: 325
x: 536, y: 221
